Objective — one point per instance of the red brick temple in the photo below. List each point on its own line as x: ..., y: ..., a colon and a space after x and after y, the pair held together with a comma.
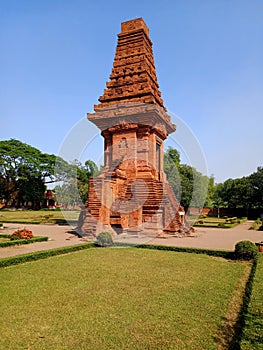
x: 132, y: 195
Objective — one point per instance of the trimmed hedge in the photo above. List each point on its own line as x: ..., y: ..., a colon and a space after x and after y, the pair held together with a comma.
x: 243, y: 313
x: 221, y: 253
x: 20, y: 222
x: 21, y: 241
x: 4, y: 235
x: 229, y: 222
x: 227, y: 254
x: 19, y: 259
x: 219, y: 225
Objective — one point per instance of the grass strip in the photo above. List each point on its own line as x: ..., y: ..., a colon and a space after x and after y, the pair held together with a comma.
x: 229, y: 329
x: 19, y: 259
x: 252, y: 335
x: 21, y: 241
x: 227, y: 254
x: 240, y: 324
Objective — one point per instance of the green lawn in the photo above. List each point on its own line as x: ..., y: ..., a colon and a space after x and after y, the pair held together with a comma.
x: 117, y: 298
x: 38, y: 216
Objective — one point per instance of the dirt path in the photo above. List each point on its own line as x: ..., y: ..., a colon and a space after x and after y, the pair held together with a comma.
x: 60, y: 236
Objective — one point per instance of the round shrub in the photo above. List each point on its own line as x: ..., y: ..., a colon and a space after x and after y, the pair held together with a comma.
x: 104, y: 239
x: 245, y: 250
x: 21, y: 234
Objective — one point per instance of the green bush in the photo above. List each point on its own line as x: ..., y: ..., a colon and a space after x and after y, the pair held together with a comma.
x: 246, y: 250
x: 256, y: 225
x: 104, y: 239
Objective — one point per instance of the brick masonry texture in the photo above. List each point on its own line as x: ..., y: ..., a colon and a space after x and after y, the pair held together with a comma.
x: 131, y: 196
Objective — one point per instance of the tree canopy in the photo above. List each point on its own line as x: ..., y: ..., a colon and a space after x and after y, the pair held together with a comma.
x: 189, y: 185
x: 245, y: 192
x: 25, y: 171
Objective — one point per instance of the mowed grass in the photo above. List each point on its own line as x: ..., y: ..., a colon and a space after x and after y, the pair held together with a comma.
x: 38, y: 216
x: 253, y: 333
x: 116, y: 298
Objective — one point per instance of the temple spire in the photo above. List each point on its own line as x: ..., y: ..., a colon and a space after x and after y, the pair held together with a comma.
x: 133, y: 77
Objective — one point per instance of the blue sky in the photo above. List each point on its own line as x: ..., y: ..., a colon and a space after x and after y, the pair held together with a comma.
x: 56, y: 57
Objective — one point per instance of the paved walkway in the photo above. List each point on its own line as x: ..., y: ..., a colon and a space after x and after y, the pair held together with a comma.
x: 61, y: 236
x: 215, y: 238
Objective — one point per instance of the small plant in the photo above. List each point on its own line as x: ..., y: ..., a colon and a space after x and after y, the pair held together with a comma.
x: 203, y: 216
x: 246, y: 250
x: 256, y: 225
x: 104, y: 239
x: 21, y: 234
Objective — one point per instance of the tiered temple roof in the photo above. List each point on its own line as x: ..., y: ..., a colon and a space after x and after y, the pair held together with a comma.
x: 133, y: 77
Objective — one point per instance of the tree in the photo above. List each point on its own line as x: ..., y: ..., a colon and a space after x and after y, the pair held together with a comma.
x: 24, y: 172
x: 256, y: 181
x: 210, y: 192
x: 171, y: 168
x: 90, y: 169
x: 189, y: 185
x: 217, y: 201
x: 76, y: 184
